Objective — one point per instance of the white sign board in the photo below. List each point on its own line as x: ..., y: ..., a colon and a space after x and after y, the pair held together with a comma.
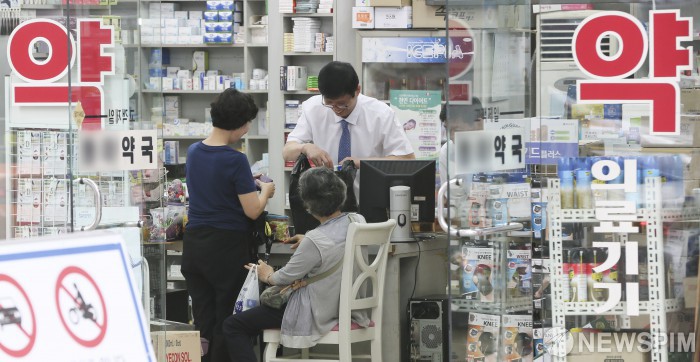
x: 117, y: 150
x: 70, y: 300
x: 491, y: 150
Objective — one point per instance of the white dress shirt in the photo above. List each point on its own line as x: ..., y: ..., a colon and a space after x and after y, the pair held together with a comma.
x: 374, y: 129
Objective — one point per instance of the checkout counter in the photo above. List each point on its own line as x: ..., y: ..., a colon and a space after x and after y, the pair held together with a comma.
x: 422, y: 265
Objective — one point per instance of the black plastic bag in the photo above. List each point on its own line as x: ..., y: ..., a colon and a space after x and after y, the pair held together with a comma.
x: 303, y: 221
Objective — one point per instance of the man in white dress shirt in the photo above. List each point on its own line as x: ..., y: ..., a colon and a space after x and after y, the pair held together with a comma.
x: 342, y: 124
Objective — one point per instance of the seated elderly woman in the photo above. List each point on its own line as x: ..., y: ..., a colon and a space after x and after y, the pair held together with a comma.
x: 312, y: 311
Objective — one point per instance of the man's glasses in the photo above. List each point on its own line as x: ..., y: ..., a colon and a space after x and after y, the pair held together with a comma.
x: 341, y: 107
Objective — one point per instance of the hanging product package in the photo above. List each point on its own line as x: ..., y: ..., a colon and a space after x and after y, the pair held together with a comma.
x: 249, y: 297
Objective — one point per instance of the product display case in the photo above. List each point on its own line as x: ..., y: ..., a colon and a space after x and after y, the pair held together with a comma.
x: 612, y: 224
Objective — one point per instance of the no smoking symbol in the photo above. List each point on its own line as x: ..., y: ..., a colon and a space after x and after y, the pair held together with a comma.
x: 81, y: 306
x: 17, y: 321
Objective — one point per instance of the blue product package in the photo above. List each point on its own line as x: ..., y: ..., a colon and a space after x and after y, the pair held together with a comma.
x: 565, y: 170
x: 519, y: 273
x: 469, y: 290
x: 157, y: 72
x: 584, y: 179
x: 211, y: 16
x: 223, y: 27
x: 612, y: 111
x: 225, y: 15
x: 210, y: 27
x: 213, y: 4
x: 159, y: 57
x: 539, y: 218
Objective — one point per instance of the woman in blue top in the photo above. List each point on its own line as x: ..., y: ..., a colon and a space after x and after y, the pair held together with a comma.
x: 223, y: 198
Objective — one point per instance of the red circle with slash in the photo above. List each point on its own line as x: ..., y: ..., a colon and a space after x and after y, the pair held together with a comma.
x: 31, y: 337
x: 72, y: 271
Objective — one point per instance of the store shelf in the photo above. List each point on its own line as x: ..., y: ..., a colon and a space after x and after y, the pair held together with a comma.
x: 74, y: 7
x: 589, y: 308
x: 256, y: 45
x: 288, y: 130
x: 667, y: 214
x: 288, y: 169
x: 312, y: 15
x: 256, y: 137
x: 175, y: 138
x: 176, y: 279
x: 305, y: 54
x: 199, y: 91
x: 300, y: 92
x: 223, y: 46
x: 512, y: 305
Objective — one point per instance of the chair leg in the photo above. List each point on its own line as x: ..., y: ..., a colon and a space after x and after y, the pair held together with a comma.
x: 377, y: 348
x: 304, y: 353
x: 345, y: 351
x: 271, y: 351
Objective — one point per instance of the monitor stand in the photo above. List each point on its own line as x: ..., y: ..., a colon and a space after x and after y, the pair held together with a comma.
x: 400, y: 210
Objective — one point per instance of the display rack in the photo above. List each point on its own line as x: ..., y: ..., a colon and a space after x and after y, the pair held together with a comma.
x: 656, y: 307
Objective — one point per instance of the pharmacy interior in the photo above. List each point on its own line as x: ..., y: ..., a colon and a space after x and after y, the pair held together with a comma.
x: 554, y: 203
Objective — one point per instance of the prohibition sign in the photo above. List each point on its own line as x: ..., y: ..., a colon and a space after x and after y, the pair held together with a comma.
x: 81, y: 306
x: 14, y: 305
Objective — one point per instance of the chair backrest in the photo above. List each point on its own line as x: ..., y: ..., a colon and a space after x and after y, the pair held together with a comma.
x: 362, y: 235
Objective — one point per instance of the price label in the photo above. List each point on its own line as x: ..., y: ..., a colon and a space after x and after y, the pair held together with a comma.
x: 492, y: 150
x: 117, y: 151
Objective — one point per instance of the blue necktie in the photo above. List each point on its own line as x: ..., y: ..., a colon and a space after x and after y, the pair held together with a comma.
x: 344, y: 145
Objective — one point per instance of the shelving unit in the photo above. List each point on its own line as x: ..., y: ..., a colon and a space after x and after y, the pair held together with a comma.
x: 228, y: 58
x: 657, y: 306
x: 314, y: 61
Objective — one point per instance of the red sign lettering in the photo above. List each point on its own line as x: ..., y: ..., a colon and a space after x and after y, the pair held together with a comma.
x: 41, y: 75
x: 666, y: 60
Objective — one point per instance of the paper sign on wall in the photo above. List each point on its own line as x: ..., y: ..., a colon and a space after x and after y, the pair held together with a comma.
x: 419, y: 114
x: 117, y: 150
x: 493, y: 150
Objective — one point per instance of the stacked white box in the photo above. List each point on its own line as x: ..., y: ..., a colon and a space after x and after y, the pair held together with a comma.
x: 286, y: 6
x: 304, y: 33
x: 325, y: 7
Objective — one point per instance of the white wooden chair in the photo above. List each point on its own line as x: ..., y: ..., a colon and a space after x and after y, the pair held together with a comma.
x: 346, y: 333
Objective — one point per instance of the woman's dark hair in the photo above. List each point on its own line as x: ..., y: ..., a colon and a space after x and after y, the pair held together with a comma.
x: 337, y: 79
x: 232, y: 110
x: 322, y: 191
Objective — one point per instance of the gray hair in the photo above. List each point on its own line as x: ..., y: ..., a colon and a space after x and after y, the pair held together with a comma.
x: 322, y: 191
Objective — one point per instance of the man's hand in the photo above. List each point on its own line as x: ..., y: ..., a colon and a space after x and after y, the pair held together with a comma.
x: 318, y: 156
x: 354, y: 159
x: 294, y: 240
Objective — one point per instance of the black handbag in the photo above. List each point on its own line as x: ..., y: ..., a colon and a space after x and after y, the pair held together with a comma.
x: 260, y: 234
x: 303, y: 221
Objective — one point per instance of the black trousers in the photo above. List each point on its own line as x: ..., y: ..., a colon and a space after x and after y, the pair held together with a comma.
x: 240, y: 328
x: 213, y: 266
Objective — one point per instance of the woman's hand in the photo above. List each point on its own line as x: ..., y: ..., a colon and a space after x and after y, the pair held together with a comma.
x: 264, y: 271
x: 266, y: 188
x: 295, y: 240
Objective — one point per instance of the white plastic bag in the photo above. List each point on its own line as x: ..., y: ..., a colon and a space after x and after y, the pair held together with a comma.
x: 249, y: 296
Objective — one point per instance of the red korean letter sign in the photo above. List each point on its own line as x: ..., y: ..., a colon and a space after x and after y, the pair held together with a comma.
x: 41, y: 76
x: 666, y: 60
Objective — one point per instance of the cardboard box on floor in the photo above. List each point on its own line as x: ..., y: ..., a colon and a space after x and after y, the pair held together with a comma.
x: 177, y: 346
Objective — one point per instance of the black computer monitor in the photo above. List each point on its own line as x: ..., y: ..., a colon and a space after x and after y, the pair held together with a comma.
x: 377, y: 176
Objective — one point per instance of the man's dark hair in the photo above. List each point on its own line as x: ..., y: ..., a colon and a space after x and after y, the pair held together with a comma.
x: 337, y: 79
x: 462, y: 113
x: 232, y: 110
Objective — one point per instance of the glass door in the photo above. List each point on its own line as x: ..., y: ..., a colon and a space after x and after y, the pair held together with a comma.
x: 78, y: 156
x: 489, y: 181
